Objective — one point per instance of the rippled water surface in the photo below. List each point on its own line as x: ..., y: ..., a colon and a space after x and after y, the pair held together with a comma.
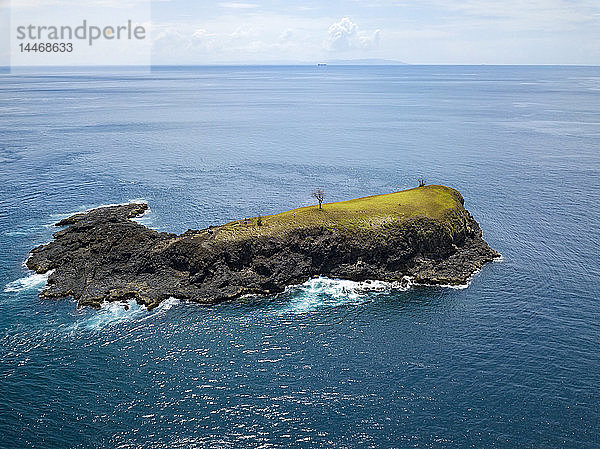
x: 512, y: 361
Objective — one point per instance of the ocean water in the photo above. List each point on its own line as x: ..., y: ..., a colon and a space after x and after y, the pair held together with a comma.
x: 512, y: 361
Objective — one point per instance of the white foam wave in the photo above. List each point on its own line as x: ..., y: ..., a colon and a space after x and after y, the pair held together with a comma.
x: 144, y: 219
x: 110, y: 313
x: 452, y: 286
x: 113, y: 313
x: 326, y: 292
x: 28, y: 282
x: 167, y: 304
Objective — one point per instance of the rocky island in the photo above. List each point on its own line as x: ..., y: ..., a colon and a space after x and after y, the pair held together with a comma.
x: 424, y: 234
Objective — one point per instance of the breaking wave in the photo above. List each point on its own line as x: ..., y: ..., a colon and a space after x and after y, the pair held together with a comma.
x: 326, y: 292
x: 112, y: 313
x: 28, y: 282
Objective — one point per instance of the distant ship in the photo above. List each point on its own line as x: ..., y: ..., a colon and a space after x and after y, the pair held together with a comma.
x: 321, y: 64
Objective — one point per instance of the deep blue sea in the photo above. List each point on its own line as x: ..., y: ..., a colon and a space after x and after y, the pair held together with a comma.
x: 512, y: 361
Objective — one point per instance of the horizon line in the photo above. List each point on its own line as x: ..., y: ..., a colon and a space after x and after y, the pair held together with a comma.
x: 294, y: 64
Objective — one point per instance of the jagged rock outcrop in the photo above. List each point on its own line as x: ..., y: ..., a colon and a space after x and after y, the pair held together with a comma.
x: 102, y: 255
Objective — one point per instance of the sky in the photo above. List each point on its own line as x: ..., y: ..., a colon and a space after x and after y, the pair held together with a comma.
x: 310, y: 31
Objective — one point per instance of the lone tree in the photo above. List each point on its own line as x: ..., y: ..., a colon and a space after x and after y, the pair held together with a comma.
x: 421, y: 182
x: 319, y: 194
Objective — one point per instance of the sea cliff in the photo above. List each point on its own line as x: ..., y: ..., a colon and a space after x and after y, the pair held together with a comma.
x: 424, y: 234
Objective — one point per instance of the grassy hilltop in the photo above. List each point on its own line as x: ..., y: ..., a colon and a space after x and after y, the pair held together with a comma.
x: 371, y: 212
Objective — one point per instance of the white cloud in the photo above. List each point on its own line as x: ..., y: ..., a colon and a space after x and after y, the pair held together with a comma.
x: 345, y: 36
x: 341, y: 34
x: 235, y: 38
x: 432, y: 31
x: 261, y: 37
x: 424, y: 31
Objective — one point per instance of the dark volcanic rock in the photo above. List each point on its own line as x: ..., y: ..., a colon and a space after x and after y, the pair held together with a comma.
x: 102, y: 255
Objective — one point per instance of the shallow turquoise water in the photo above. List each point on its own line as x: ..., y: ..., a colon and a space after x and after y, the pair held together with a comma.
x: 510, y: 362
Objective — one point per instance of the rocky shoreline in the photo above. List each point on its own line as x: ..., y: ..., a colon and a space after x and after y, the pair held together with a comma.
x: 101, y: 255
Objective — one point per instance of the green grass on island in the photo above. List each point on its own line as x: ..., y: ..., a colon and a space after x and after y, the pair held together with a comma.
x: 368, y: 213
